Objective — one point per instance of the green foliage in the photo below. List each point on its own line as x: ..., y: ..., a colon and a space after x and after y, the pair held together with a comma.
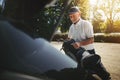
x: 111, y: 37
x: 106, y: 27
x: 111, y: 9
x: 45, y: 22
x: 60, y: 37
x: 96, y: 26
x: 112, y: 26
x: 99, y: 26
x: 84, y: 7
x: 65, y: 23
x: 117, y: 26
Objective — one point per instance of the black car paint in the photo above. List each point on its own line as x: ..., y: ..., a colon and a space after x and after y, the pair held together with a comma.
x: 35, y: 57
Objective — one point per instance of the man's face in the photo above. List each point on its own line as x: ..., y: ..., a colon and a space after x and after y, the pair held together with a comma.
x: 74, y: 17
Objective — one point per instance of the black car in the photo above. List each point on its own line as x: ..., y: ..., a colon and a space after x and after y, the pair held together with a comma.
x: 25, y: 58
x: 23, y: 54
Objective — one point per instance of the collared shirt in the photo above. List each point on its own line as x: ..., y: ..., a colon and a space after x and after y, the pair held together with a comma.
x: 81, y: 31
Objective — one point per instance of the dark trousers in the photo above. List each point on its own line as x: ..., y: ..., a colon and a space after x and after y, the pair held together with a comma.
x: 91, y: 51
x: 99, y: 69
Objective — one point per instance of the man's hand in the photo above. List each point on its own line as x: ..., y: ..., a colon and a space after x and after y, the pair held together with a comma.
x: 76, y: 45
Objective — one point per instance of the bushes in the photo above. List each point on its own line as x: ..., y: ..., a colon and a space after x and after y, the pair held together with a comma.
x: 60, y: 37
x: 99, y: 37
x: 110, y: 37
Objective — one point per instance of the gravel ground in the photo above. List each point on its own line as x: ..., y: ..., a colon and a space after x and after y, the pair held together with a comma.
x: 110, y: 54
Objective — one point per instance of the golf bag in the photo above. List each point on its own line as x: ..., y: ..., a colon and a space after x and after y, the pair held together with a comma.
x: 85, y: 60
x: 80, y: 54
x: 90, y: 63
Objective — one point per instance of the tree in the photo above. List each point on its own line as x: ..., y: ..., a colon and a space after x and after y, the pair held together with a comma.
x: 111, y: 8
x: 50, y: 19
x: 99, y: 21
x: 84, y: 7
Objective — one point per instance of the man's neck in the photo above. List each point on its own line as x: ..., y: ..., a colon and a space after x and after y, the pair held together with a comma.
x: 77, y: 21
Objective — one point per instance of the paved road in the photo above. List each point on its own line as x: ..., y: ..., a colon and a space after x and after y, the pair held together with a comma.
x: 110, y: 55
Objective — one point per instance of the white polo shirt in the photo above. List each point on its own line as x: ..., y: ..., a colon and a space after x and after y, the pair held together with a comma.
x: 81, y: 31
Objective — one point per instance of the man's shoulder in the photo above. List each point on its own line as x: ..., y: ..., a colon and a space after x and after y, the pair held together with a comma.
x: 85, y: 21
x: 86, y: 24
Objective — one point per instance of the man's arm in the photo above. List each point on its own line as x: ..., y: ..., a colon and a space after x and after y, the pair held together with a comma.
x: 83, y: 43
x: 87, y: 41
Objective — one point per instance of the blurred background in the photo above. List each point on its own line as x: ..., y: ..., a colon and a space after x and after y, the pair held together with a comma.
x: 103, y: 14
